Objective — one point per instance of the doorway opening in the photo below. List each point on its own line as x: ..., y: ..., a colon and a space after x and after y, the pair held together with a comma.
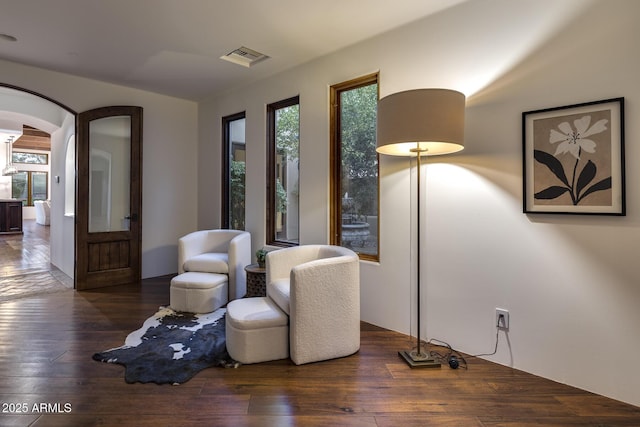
x: 41, y: 255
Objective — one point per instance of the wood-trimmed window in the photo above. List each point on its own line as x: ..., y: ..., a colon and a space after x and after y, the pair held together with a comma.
x: 30, y: 186
x: 354, y: 166
x: 283, y: 154
x: 233, y: 171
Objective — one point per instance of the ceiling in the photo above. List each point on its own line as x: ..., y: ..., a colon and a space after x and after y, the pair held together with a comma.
x: 173, y: 46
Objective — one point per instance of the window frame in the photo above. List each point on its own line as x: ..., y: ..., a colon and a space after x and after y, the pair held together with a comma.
x: 226, y: 167
x: 335, y: 161
x: 29, y: 200
x: 271, y: 238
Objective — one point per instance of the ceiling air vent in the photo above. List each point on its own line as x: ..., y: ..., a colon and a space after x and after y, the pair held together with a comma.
x: 244, y: 56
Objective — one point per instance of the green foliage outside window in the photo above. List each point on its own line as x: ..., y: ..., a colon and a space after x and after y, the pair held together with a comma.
x: 288, y: 132
x: 359, y: 159
x: 30, y: 158
x: 281, y: 197
x: 237, y: 186
x: 288, y: 146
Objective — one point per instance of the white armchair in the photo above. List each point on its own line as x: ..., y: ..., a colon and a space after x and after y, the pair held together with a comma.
x: 42, y: 208
x: 217, y: 251
x: 318, y: 286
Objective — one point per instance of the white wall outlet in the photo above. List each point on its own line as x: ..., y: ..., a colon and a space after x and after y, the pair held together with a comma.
x: 502, y: 318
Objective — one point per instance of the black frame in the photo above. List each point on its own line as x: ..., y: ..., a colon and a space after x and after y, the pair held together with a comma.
x: 588, y: 140
x: 226, y: 166
x: 271, y: 238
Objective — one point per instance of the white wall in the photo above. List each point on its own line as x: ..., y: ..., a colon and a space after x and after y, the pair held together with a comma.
x: 61, y: 244
x: 168, y: 167
x: 5, y: 181
x: 571, y: 283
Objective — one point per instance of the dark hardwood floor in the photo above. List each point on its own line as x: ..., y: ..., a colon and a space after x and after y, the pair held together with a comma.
x: 48, y: 340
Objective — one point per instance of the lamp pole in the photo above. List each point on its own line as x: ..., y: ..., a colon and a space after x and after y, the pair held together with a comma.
x: 417, y: 358
x: 418, y: 151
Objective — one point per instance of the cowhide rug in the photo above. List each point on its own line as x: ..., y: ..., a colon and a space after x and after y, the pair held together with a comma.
x: 171, y: 347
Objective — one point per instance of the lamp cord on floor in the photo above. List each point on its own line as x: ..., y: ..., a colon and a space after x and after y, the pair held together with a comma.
x: 454, y: 357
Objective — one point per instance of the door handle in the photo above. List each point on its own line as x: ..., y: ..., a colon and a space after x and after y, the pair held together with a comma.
x: 132, y: 217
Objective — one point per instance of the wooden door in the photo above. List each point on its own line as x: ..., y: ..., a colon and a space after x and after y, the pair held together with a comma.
x: 109, y: 199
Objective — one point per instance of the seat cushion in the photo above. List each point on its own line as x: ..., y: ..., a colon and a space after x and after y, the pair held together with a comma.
x: 211, y: 262
x: 195, y: 292
x: 196, y: 280
x: 278, y: 291
x: 256, y: 330
x: 255, y: 313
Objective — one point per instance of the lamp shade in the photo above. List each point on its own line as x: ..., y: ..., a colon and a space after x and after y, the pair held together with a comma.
x: 428, y: 121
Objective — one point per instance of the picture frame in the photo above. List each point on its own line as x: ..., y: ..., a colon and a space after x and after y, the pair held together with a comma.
x: 573, y: 159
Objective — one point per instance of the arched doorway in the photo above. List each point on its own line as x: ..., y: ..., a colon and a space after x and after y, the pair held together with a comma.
x: 23, y: 107
x: 90, y: 257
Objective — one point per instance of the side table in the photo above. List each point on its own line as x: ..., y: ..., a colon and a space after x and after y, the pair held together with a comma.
x: 256, y: 281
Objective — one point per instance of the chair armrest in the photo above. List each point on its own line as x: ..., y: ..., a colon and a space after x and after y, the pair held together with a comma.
x: 189, y: 246
x: 324, y: 309
x: 239, y: 258
x: 321, y: 286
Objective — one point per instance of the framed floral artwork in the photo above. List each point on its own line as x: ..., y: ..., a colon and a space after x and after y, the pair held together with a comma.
x: 573, y: 159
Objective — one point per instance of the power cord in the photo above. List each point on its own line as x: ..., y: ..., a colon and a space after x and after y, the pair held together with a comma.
x: 453, y: 357
x: 495, y: 348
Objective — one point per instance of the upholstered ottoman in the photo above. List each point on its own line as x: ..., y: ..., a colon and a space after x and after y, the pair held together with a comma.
x: 257, y: 330
x: 196, y: 292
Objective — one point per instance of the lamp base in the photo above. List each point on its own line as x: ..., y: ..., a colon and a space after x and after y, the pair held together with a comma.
x: 415, y: 360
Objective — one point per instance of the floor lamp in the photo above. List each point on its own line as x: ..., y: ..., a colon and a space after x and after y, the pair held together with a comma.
x: 416, y: 123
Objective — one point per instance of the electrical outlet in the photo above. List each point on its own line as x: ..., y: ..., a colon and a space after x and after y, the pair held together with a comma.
x: 502, y: 318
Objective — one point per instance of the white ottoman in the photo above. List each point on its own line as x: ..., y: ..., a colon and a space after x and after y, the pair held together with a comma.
x: 257, y: 330
x: 195, y: 292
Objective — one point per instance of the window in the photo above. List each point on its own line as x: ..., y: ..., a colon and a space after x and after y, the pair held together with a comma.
x: 354, y: 166
x: 30, y: 158
x: 283, y: 134
x: 29, y: 186
x: 234, y: 168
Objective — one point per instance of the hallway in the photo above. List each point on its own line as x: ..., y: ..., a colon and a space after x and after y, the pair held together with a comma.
x: 25, y: 269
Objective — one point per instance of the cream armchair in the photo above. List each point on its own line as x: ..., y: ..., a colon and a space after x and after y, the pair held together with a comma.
x: 42, y: 208
x: 217, y: 251
x: 318, y: 286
